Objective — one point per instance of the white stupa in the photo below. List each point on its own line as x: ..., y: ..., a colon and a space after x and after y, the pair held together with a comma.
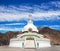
x: 30, y: 25
x: 30, y: 38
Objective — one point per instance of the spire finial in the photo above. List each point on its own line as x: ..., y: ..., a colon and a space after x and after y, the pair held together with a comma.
x: 30, y: 18
x: 30, y: 15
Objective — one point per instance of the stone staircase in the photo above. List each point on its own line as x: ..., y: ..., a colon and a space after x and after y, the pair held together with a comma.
x: 30, y: 44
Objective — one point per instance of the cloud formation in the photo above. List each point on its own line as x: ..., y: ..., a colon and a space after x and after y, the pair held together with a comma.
x: 39, y: 12
x: 12, y: 24
x: 57, y: 27
x: 46, y: 11
x: 10, y: 29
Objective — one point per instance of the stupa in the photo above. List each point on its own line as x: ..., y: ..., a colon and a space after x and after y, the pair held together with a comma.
x: 30, y: 38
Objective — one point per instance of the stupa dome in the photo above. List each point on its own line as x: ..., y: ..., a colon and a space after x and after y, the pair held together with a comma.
x: 30, y: 25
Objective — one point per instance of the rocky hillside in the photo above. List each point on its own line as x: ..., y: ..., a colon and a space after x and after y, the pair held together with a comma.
x: 53, y: 35
x: 5, y: 38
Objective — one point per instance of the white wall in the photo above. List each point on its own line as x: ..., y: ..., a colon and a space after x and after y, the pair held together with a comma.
x: 43, y: 44
x: 16, y: 43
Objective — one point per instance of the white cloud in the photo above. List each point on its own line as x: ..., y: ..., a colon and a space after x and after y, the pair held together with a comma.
x: 10, y: 29
x: 13, y: 13
x: 57, y: 27
x: 54, y: 26
x: 47, y: 15
x: 57, y: 3
x: 13, y: 24
x: 38, y: 15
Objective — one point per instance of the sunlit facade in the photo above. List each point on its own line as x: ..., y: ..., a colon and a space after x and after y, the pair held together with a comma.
x: 30, y: 38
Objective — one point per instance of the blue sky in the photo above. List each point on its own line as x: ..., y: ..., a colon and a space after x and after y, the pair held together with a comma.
x: 14, y: 14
